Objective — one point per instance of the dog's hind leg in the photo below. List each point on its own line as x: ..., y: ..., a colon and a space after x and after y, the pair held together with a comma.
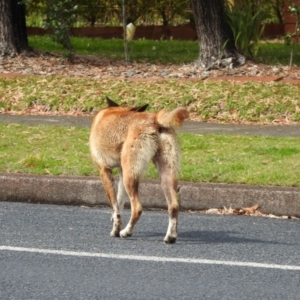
x: 167, y: 163
x: 131, y: 184
x: 169, y: 186
x: 107, y: 181
x: 136, y: 155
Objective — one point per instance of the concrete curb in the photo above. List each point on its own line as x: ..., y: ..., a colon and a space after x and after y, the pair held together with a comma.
x: 89, y: 191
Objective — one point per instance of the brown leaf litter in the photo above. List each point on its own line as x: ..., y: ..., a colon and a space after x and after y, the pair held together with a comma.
x: 246, y: 211
x: 103, y: 68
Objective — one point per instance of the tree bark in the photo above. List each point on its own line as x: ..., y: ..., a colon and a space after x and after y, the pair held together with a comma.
x: 13, y: 34
x: 216, y: 42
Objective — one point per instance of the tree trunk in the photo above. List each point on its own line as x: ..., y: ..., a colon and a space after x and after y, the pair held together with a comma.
x: 216, y: 43
x: 13, y: 34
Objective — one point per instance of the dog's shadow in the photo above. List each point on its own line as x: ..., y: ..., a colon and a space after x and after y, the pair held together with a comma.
x: 208, y: 237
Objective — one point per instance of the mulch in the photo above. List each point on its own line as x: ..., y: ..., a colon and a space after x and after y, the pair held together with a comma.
x: 102, y: 68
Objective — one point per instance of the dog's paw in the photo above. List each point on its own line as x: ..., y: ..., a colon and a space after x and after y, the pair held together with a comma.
x: 124, y: 233
x: 170, y: 239
x: 115, y: 233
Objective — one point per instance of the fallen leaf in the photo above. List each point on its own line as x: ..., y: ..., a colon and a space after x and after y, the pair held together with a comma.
x: 213, y: 211
x: 251, y: 210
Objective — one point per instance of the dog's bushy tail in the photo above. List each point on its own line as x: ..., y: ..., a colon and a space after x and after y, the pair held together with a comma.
x: 173, y: 118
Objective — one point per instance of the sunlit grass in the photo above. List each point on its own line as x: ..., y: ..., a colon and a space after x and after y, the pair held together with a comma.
x: 205, y: 158
x: 44, y: 150
x: 207, y: 101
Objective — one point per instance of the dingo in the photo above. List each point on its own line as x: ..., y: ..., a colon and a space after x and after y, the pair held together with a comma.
x: 128, y: 139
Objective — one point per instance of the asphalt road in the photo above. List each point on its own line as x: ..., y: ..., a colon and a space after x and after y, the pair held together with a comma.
x: 65, y: 252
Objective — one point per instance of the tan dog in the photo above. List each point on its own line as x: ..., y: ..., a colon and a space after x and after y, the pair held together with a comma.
x: 128, y: 139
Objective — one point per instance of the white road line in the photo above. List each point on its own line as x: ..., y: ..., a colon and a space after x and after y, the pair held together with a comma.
x: 153, y: 258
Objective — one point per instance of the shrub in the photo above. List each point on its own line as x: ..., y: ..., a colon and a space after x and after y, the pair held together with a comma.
x: 246, y: 27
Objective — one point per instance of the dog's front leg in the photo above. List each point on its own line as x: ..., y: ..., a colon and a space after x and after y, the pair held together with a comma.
x: 167, y: 164
x: 122, y: 194
x: 107, y: 181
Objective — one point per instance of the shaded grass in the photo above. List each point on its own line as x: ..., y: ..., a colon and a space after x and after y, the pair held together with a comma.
x: 207, y: 101
x: 175, y: 52
x: 277, y: 53
x: 170, y: 51
x: 205, y: 158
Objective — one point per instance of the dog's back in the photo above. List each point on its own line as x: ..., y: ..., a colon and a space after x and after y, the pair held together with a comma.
x: 113, y: 128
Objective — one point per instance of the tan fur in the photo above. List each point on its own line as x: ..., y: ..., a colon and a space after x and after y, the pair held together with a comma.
x: 172, y: 118
x: 128, y: 140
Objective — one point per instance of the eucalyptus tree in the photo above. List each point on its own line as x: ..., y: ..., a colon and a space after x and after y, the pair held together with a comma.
x: 13, y: 34
x: 216, y: 41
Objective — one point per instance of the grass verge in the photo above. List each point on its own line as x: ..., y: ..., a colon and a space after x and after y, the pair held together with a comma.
x: 205, y: 158
x: 219, y: 101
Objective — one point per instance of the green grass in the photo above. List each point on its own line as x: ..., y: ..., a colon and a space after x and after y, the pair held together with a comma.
x: 278, y: 53
x: 220, y: 101
x: 44, y: 150
x: 240, y: 159
x: 171, y: 51
x: 175, y: 52
x: 205, y: 158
